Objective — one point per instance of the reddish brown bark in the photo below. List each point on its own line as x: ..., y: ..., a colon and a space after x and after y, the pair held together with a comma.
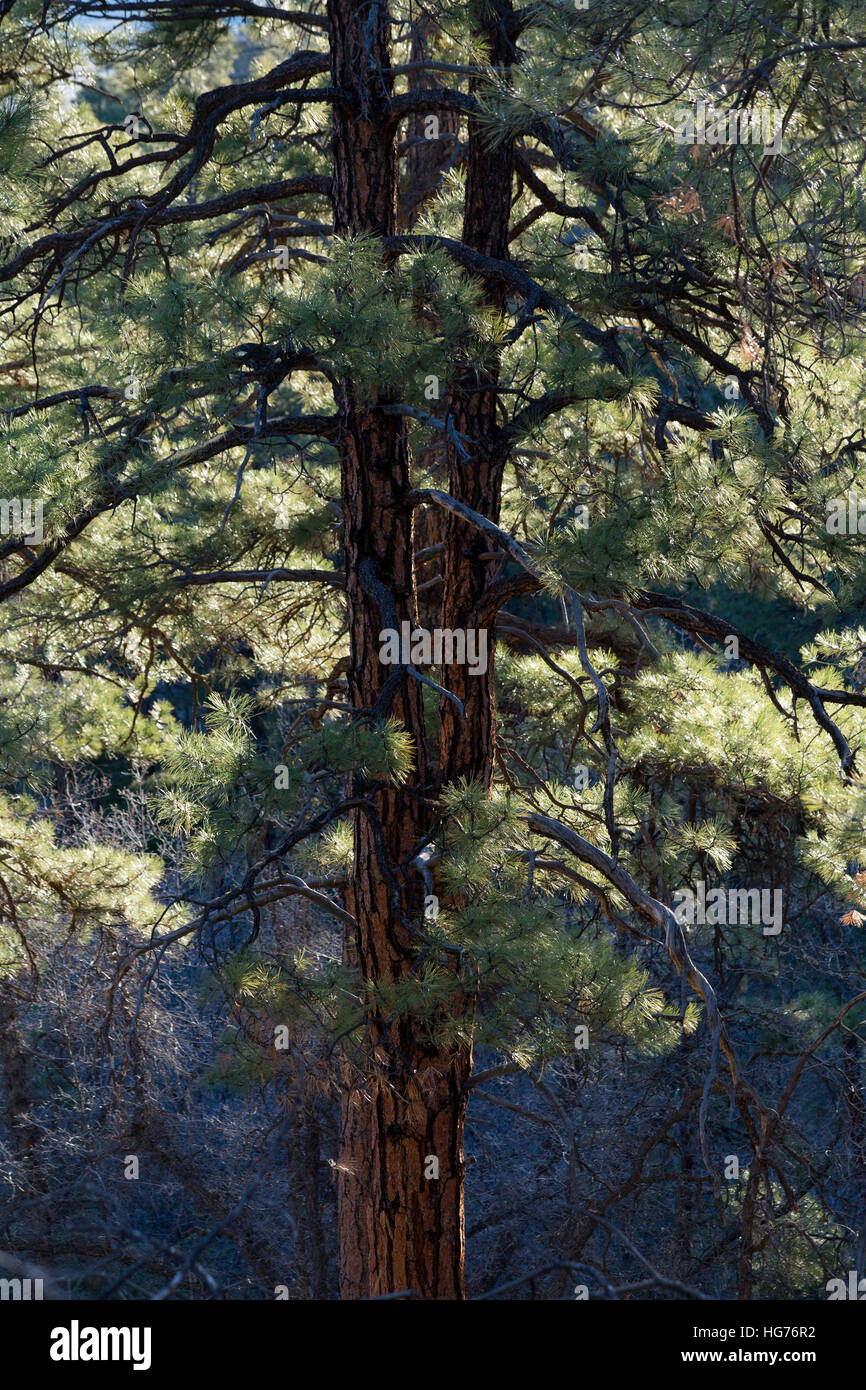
x: 403, y: 1097
x: 467, y: 744
x: 401, y: 1227
x: 427, y: 154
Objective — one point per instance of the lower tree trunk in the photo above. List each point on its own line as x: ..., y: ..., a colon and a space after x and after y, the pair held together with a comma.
x: 401, y: 1164
x: 401, y: 1179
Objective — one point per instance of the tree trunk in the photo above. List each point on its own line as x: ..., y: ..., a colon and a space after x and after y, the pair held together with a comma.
x: 402, y: 1104
x: 467, y: 744
x: 431, y: 145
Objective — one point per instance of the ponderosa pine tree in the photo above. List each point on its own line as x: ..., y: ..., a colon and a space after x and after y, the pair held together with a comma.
x: 538, y: 327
